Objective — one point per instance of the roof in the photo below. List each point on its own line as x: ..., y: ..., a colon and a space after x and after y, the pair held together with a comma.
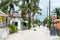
x: 3, y: 14
x: 15, y: 15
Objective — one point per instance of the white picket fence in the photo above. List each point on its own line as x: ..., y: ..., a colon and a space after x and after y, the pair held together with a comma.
x: 4, y: 32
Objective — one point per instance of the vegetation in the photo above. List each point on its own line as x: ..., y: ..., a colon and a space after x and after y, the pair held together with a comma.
x: 7, y: 5
x: 45, y: 21
x: 27, y: 7
x: 12, y: 28
x: 37, y: 21
x: 48, y: 22
x: 57, y: 11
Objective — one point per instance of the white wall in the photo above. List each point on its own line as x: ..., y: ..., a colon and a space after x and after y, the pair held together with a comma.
x: 4, y: 32
x: 16, y: 20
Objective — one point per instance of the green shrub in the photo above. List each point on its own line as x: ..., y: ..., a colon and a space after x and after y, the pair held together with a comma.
x: 12, y: 28
x: 49, y: 24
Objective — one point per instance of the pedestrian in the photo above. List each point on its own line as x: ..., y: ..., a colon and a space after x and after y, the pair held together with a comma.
x: 52, y: 30
x: 39, y: 25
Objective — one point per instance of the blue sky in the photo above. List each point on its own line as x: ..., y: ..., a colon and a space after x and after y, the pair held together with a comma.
x: 44, y: 4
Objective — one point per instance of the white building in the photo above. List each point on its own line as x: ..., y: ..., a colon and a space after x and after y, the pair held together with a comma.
x: 16, y: 20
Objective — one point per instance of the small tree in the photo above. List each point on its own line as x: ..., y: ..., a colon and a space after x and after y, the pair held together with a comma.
x: 12, y: 28
x: 45, y: 21
x: 48, y: 22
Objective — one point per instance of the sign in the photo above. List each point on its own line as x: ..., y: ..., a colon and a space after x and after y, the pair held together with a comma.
x: 54, y: 16
x: 1, y: 18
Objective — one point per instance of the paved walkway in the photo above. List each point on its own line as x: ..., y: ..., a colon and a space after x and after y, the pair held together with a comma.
x: 39, y: 34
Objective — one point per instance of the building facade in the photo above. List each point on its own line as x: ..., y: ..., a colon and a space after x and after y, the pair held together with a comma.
x: 3, y: 19
x: 16, y: 20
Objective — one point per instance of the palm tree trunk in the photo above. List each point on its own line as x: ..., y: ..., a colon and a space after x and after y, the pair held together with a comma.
x: 29, y: 20
x: 32, y: 21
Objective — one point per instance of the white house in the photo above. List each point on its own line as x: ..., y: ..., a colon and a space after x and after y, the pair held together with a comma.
x: 16, y: 20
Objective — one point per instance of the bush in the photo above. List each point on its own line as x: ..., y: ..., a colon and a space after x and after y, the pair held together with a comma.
x: 12, y: 28
x: 49, y: 24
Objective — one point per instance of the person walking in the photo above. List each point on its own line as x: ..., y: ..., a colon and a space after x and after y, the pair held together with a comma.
x: 52, y: 30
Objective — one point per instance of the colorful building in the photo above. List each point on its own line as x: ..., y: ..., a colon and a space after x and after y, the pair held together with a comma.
x: 3, y: 19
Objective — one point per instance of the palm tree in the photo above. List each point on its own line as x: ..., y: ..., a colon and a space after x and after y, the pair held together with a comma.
x: 57, y: 11
x: 48, y: 23
x: 35, y: 10
x: 45, y: 21
x: 7, y: 5
x: 28, y: 7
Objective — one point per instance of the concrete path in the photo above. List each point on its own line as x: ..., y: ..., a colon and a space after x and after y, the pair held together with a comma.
x: 39, y: 34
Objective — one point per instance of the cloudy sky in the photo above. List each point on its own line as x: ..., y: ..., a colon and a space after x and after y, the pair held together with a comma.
x: 44, y: 5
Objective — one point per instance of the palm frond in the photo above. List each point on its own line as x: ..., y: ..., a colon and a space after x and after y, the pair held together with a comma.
x: 39, y: 13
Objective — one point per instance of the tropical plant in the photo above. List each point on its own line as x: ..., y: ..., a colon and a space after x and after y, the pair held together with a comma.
x: 37, y: 21
x: 12, y: 28
x: 45, y: 21
x: 57, y: 11
x: 28, y: 7
x: 7, y: 5
x: 48, y: 22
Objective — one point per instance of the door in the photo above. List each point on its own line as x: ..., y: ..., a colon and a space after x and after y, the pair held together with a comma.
x: 15, y: 23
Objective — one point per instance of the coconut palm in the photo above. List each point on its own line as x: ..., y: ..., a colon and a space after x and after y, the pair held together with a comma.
x: 45, y: 21
x: 7, y: 5
x: 57, y: 11
x: 28, y: 7
x: 35, y: 10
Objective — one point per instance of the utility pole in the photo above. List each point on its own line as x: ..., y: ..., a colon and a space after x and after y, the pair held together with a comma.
x: 49, y: 14
x: 49, y: 7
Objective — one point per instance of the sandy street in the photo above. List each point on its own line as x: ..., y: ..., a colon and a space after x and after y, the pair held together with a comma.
x: 39, y: 34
